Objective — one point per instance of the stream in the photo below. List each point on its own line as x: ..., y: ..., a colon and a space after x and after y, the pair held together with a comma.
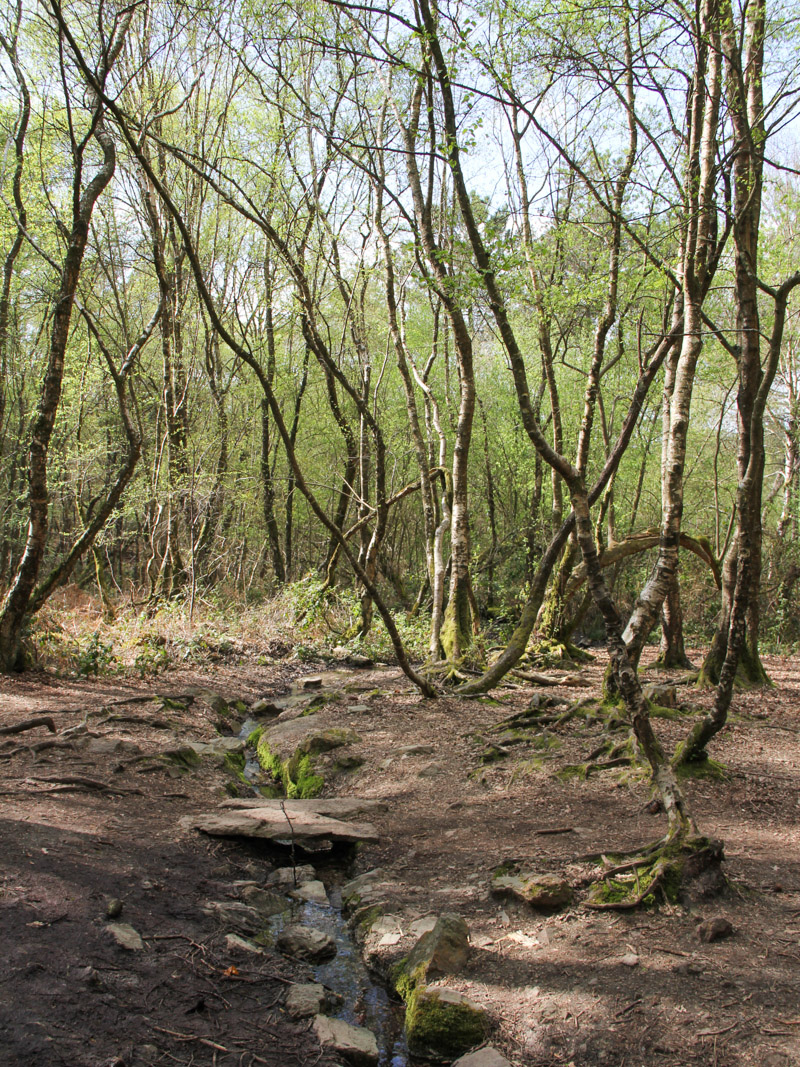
x: 365, y: 1001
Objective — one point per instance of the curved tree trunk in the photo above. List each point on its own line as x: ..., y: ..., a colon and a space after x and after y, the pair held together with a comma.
x: 16, y: 603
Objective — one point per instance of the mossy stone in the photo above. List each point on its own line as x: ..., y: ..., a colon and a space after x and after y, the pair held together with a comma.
x: 296, y: 774
x: 184, y: 758
x: 443, y: 950
x: 327, y: 740
x: 442, y: 1023
x: 544, y: 892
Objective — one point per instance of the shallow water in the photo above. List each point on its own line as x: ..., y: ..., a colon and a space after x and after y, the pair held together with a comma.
x: 364, y: 1001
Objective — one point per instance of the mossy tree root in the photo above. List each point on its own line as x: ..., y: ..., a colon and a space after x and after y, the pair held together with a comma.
x: 662, y: 870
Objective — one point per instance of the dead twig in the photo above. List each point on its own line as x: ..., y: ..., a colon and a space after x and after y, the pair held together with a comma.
x: 633, y: 1004
x: 716, y: 1033
x: 211, y: 1044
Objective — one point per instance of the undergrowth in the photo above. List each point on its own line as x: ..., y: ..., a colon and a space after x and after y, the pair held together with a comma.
x: 70, y: 636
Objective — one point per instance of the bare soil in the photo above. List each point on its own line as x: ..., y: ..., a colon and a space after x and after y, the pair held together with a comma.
x: 579, y: 987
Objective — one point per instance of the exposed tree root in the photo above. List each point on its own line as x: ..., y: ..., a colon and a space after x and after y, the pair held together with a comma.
x: 571, y: 680
x: 546, y: 652
x: 664, y: 870
x: 29, y: 724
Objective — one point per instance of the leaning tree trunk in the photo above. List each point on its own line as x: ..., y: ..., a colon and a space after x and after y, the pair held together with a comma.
x: 15, y: 605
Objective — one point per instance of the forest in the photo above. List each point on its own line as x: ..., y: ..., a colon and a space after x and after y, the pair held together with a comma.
x: 457, y: 343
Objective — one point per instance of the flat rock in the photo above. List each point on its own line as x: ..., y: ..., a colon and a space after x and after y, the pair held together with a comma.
x: 311, y: 682
x: 265, y: 708
x: 354, y: 1044
x: 234, y: 914
x: 215, y: 701
x: 289, y: 877
x: 359, y: 890
x: 714, y: 929
x: 242, y: 944
x: 112, y: 746
x: 126, y: 937
x: 328, y: 740
x: 416, y: 750
x: 306, y: 943
x: 544, y: 892
x: 219, y: 746
x: 304, y: 999
x: 336, y: 807
x: 423, y: 925
x: 431, y: 770
x: 313, y: 892
x: 274, y: 826
x: 265, y: 902
x: 484, y: 1057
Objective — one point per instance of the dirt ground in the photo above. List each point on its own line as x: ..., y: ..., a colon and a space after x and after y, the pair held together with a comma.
x: 88, y: 820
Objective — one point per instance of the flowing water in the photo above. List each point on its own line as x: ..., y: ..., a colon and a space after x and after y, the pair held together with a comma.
x: 365, y: 1002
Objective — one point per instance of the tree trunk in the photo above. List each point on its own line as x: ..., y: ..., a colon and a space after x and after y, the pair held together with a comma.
x: 15, y: 604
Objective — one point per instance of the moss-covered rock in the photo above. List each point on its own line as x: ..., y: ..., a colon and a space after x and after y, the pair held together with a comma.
x: 543, y: 892
x: 254, y: 737
x: 362, y: 891
x: 183, y: 758
x: 442, y: 1023
x: 443, y: 950
x: 327, y: 740
x: 296, y: 775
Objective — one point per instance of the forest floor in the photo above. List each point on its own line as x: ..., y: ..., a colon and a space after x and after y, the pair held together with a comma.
x: 90, y: 820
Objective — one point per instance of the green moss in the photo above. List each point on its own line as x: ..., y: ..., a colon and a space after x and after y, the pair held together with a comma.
x: 547, y: 652
x: 364, y: 920
x: 522, y: 770
x: 658, y: 711
x: 703, y: 767
x: 573, y: 770
x: 405, y: 980
x: 234, y: 762
x: 300, y: 781
x: 296, y: 774
x: 440, y: 1027
x: 184, y: 758
x: 254, y: 737
x: 545, y: 742
x: 172, y: 704
x: 628, y: 887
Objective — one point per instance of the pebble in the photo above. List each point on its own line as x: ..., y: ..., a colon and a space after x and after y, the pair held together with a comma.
x: 114, y: 908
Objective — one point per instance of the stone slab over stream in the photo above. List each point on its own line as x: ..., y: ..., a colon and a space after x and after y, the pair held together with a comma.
x: 280, y: 822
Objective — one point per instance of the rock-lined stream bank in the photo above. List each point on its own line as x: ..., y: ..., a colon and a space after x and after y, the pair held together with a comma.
x: 372, y: 1008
